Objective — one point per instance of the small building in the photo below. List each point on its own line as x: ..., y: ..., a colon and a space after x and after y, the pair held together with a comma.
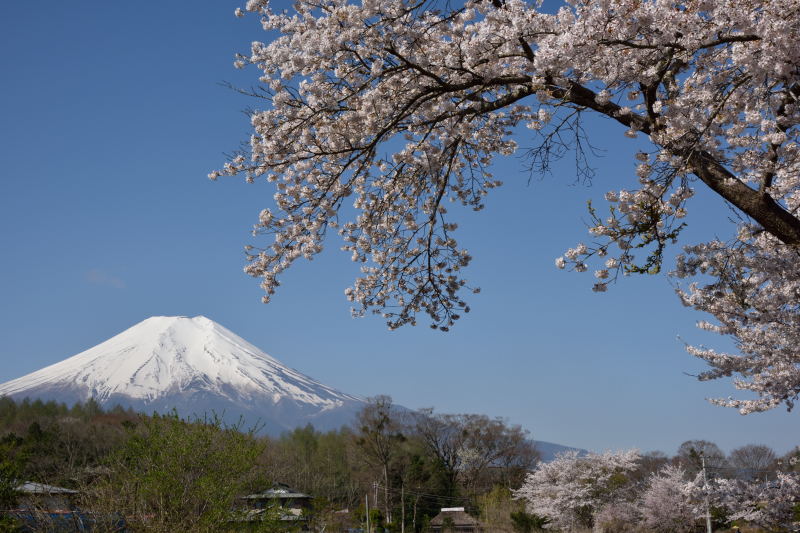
x: 292, y: 504
x: 281, y: 495
x: 42, y: 507
x: 455, y: 520
x: 40, y: 496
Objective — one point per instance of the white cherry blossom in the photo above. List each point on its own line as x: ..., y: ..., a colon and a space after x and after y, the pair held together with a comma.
x: 395, y: 108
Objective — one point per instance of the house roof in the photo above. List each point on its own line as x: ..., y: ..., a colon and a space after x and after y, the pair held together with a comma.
x: 29, y: 487
x: 458, y: 515
x: 278, y: 491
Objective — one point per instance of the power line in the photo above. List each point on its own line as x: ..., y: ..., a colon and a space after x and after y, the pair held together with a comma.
x: 429, y: 496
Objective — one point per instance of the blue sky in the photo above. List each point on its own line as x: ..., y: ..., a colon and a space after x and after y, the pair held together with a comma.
x: 113, y: 114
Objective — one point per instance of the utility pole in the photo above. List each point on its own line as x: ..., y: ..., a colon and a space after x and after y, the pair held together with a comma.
x: 705, y: 489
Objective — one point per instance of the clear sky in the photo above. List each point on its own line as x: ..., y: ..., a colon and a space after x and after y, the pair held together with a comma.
x: 112, y: 116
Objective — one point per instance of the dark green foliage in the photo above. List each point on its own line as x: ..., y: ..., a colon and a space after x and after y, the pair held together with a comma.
x: 376, y: 518
x: 12, y: 461
x: 61, y: 444
x: 524, y: 522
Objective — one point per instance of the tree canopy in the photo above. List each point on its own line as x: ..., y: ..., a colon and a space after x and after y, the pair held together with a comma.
x: 400, y: 106
x: 604, y: 492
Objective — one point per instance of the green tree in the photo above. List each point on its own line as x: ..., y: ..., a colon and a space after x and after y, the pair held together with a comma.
x: 179, y: 475
x: 11, y: 464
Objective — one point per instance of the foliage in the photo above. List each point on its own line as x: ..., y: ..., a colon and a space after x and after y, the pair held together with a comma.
x: 501, y: 513
x: 403, y: 105
x: 124, y: 463
x: 173, y: 474
x: 60, y: 443
x: 12, y: 460
x: 528, y: 522
x: 497, y: 508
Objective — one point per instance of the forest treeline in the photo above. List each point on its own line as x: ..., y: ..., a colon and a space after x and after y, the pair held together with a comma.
x: 164, y: 473
x: 405, y: 465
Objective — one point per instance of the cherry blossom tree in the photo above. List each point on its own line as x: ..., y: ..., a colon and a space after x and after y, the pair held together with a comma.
x: 666, y: 504
x: 398, y: 107
x: 573, y: 488
x: 618, y: 517
x: 774, y: 505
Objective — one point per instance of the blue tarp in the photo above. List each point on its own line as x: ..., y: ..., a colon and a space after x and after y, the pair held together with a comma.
x: 66, y: 521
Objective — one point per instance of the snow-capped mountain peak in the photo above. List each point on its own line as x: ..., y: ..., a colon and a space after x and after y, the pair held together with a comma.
x: 176, y: 360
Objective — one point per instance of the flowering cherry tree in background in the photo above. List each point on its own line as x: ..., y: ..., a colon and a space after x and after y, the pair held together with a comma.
x: 774, y: 505
x: 571, y: 489
x: 604, y: 492
x: 714, y: 86
x: 618, y: 517
x: 666, y: 504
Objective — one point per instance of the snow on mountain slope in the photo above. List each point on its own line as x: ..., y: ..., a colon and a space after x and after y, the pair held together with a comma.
x: 194, y: 365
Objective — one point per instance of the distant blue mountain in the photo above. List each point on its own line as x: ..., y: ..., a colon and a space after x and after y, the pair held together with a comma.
x: 549, y: 450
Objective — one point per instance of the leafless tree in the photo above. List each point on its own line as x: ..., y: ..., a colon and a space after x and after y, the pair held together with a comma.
x: 471, y: 448
x: 379, y: 431
x: 752, y: 461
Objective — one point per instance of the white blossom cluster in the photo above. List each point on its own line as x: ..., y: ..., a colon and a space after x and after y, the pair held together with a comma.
x: 395, y: 108
x: 599, y: 491
x: 769, y: 504
x: 572, y: 488
x: 699, y: 79
x: 669, y: 502
x: 344, y: 79
x: 754, y: 294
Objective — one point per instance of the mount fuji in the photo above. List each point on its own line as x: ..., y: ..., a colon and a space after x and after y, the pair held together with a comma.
x: 195, y: 366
